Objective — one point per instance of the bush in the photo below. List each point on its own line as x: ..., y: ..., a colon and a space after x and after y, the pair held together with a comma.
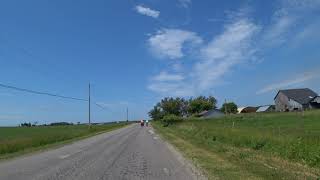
x: 171, y: 119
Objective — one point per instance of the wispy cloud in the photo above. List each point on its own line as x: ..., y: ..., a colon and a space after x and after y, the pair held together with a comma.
x: 277, y: 33
x: 241, y: 41
x: 296, y: 80
x: 165, y: 76
x: 285, y: 19
x: 170, y: 84
x: 230, y: 48
x: 172, y: 89
x: 310, y: 33
x: 185, y: 3
x: 168, y: 43
x: 300, y: 4
x: 215, y: 59
x: 147, y: 11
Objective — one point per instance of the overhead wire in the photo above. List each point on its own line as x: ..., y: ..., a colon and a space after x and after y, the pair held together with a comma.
x: 40, y: 93
x: 49, y: 94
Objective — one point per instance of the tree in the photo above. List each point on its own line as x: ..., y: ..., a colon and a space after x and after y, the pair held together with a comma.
x: 25, y: 124
x: 201, y: 104
x: 181, y: 107
x: 230, y: 107
x: 175, y: 106
x: 156, y: 113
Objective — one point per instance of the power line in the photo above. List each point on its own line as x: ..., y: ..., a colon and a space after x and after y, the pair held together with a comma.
x: 56, y: 95
x: 100, y: 106
x: 49, y: 94
x: 40, y: 93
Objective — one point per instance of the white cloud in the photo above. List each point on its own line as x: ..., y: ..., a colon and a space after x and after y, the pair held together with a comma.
x: 171, y: 89
x: 185, y: 3
x: 285, y: 19
x: 230, y: 48
x: 240, y: 42
x: 168, y: 43
x: 277, y: 33
x: 164, y: 76
x: 297, y: 80
x: 169, y: 84
x: 309, y: 33
x: 301, y: 4
x: 217, y: 58
x: 147, y: 11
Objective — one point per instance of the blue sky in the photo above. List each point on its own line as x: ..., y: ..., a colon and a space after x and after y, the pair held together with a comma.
x: 136, y: 52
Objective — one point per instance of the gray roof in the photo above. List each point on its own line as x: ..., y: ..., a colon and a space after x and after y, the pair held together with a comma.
x: 263, y: 108
x: 302, y: 96
x: 213, y: 113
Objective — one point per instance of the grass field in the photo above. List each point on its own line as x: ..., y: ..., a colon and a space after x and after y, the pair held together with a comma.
x: 19, y: 140
x: 251, y: 146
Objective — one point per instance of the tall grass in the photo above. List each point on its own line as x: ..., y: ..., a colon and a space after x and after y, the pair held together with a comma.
x: 293, y: 136
x: 15, y: 139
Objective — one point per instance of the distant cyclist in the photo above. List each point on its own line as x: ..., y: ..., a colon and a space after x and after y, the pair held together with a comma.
x: 142, y: 123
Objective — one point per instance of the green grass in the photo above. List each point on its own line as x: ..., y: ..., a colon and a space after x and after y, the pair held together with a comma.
x: 252, y: 146
x: 19, y: 140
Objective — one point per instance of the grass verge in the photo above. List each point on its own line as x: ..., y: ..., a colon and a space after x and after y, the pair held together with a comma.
x: 17, y: 141
x: 251, y: 146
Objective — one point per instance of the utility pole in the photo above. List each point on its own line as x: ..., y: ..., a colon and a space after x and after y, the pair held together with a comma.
x: 127, y: 115
x: 89, y: 106
x: 225, y: 106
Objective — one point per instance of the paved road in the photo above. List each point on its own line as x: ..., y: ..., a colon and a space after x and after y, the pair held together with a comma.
x: 128, y: 153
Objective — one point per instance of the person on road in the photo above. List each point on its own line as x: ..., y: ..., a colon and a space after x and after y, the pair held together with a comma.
x: 147, y: 122
x: 142, y: 123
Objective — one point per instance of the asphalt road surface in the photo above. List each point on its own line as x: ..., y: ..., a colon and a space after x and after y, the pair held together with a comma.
x: 131, y: 153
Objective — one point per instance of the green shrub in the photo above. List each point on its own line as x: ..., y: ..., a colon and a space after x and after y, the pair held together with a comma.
x: 171, y: 119
x: 257, y: 145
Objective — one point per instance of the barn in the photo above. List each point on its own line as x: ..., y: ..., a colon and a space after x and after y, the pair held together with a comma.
x: 296, y: 99
x: 248, y: 109
x: 213, y: 113
x: 267, y: 108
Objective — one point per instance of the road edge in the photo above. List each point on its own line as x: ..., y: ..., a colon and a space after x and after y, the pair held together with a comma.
x: 197, y: 173
x: 53, y: 146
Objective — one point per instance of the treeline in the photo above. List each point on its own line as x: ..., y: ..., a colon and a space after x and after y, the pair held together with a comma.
x: 177, y: 108
x: 28, y: 124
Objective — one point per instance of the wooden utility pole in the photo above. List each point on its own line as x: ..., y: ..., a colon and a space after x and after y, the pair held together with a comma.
x: 127, y: 115
x: 225, y: 106
x: 89, y: 106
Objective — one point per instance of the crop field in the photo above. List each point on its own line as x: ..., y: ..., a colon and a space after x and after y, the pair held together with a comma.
x: 17, y: 140
x: 251, y: 146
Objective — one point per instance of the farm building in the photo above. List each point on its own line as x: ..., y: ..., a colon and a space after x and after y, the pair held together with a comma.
x: 267, y: 108
x: 315, y: 103
x: 247, y: 109
x: 213, y: 113
x: 296, y: 99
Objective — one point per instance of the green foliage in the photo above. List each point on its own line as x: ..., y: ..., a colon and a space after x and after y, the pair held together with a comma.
x: 175, y: 106
x: 26, y: 124
x: 230, y: 107
x: 182, y: 107
x: 156, y: 113
x: 171, y: 119
x: 201, y: 103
